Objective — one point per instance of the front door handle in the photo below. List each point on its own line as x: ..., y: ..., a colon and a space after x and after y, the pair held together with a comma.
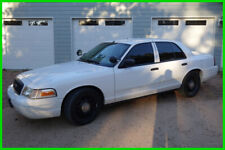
x: 184, y: 64
x: 153, y: 69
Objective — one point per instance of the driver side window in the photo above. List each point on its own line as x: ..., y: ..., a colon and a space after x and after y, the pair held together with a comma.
x: 142, y: 54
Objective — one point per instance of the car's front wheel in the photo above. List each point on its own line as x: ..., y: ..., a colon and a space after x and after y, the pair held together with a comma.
x: 191, y: 84
x: 82, y: 106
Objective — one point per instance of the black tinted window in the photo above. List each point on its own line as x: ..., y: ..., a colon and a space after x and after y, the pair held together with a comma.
x: 179, y: 54
x: 38, y: 22
x: 88, y: 22
x: 196, y: 22
x: 167, y: 22
x: 142, y: 54
x: 114, y: 23
x: 17, y: 23
x: 169, y: 51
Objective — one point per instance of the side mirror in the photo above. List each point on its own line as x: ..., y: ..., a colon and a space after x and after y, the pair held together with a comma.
x: 79, y: 52
x: 113, y: 59
x: 128, y: 63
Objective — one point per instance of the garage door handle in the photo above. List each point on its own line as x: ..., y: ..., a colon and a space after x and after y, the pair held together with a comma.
x: 184, y: 64
x: 153, y: 69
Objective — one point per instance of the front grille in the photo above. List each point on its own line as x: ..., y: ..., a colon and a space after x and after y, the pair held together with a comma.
x: 18, y: 86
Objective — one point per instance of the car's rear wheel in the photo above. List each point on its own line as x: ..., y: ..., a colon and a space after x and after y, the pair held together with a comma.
x: 191, y: 84
x: 82, y: 106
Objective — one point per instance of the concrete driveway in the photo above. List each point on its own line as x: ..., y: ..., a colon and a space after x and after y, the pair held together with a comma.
x: 160, y: 120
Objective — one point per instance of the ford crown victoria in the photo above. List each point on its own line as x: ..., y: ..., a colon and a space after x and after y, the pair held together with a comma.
x: 110, y: 72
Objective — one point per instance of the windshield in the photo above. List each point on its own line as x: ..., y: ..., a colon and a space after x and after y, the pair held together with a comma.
x: 101, y: 53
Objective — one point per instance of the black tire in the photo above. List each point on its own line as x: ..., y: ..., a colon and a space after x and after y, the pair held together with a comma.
x: 191, y: 84
x: 82, y: 106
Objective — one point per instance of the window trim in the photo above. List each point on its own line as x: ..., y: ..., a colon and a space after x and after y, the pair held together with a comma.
x: 125, y: 55
x: 168, y: 60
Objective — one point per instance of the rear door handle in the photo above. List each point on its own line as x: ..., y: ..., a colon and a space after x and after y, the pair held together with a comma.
x: 184, y: 64
x: 153, y: 69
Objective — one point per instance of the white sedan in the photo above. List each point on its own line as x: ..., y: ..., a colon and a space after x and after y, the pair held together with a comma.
x: 110, y: 72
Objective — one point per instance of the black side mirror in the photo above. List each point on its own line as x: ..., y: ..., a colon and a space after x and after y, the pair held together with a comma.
x: 113, y: 59
x: 79, y: 52
x: 128, y: 63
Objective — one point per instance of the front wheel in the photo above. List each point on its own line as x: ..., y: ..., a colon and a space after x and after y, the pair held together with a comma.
x: 82, y: 106
x: 191, y: 84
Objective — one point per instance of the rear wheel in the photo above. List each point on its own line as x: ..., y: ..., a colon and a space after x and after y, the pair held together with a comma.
x: 82, y: 106
x: 191, y: 84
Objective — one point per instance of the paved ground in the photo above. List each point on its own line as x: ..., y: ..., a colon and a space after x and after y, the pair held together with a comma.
x: 162, y: 120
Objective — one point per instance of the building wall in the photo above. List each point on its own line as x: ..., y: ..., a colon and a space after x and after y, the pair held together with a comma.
x: 141, y: 14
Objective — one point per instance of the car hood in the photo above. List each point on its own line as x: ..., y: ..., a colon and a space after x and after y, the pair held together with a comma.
x: 47, y: 75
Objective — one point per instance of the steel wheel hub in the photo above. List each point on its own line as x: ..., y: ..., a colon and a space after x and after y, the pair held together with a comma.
x: 85, y: 107
x: 191, y: 84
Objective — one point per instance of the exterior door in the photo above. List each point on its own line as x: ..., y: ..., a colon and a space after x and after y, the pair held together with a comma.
x: 172, y: 67
x: 140, y: 79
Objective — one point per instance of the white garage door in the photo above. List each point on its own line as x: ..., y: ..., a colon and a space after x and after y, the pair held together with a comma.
x: 27, y: 43
x: 197, y: 34
x: 87, y: 33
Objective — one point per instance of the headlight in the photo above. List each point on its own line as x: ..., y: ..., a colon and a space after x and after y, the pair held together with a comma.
x: 38, y: 93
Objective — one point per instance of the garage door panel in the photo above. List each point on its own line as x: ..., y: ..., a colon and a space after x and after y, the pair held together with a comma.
x: 198, y: 37
x: 28, y: 46
x: 165, y: 31
x: 86, y: 37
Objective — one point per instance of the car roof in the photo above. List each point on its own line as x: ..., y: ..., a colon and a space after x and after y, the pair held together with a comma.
x: 140, y: 40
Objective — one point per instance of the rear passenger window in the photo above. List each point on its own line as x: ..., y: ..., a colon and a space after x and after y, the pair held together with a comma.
x: 169, y: 51
x: 179, y: 54
x: 142, y: 54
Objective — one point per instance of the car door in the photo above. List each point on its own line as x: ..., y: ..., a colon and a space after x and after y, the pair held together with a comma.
x: 141, y: 78
x: 173, y: 65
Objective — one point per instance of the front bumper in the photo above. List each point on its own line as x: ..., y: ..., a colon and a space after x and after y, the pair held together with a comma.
x: 35, y: 109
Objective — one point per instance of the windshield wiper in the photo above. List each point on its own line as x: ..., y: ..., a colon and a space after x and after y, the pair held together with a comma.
x: 92, y: 61
x: 89, y: 61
